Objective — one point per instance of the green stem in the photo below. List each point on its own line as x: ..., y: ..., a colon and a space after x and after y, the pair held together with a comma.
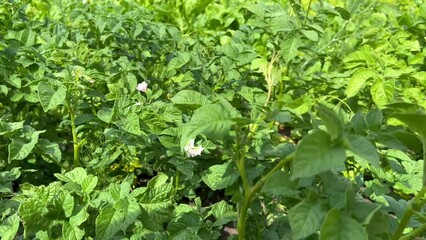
x: 424, y: 161
x: 258, y: 186
x: 76, y: 145
x: 248, y: 195
x: 307, y: 12
x: 415, y: 233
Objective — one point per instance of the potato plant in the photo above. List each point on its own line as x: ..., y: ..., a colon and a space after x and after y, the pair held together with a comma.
x: 185, y: 119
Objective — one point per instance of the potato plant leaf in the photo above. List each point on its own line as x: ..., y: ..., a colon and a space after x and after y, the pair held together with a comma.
x: 50, y: 97
x: 290, y: 46
x: 364, y: 149
x: 317, y: 154
x: 212, y: 120
x: 338, y: 225
x: 220, y: 176
x: 382, y: 92
x: 9, y: 227
x: 306, y: 218
x: 357, y: 81
x: 332, y: 121
x: 21, y: 146
x: 190, y: 98
x: 108, y: 222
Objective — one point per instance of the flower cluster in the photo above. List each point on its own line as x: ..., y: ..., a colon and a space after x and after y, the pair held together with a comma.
x: 191, y: 150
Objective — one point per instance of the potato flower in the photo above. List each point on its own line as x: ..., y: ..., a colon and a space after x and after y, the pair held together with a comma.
x: 191, y: 150
x: 142, y: 87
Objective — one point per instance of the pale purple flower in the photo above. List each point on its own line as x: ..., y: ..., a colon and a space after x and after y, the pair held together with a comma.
x: 142, y: 87
x: 191, y: 150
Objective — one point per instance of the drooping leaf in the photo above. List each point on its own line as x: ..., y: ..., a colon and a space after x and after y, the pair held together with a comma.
x: 106, y: 114
x: 68, y: 205
x: 315, y: 154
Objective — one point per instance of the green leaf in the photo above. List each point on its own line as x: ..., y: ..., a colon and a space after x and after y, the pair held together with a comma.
x: 49, y: 97
x: 71, y: 233
x: 221, y: 208
x: 415, y: 121
x: 108, y: 222
x: 220, y: 176
x: 131, y: 124
x: 280, y: 184
x: 212, y: 120
x: 357, y: 81
x: 155, y: 202
x: 290, y: 46
x: 310, y: 34
x: 89, y: 183
x: 374, y: 120
x: 106, y: 114
x: 187, y: 221
x: 76, y: 175
x: 190, y: 98
x: 343, y: 13
x: 79, y: 218
x: 68, y: 205
x: 21, y: 146
x: 9, y: 227
x: 317, y: 154
x: 339, y: 226
x: 50, y: 149
x: 364, y: 149
x: 305, y: 218
x: 382, y: 92
x: 332, y: 121
x: 179, y: 61
x: 8, y: 127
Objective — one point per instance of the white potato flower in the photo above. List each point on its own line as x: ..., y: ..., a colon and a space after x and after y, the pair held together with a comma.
x: 192, y: 150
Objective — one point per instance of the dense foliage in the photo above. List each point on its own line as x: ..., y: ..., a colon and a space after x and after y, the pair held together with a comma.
x: 153, y: 119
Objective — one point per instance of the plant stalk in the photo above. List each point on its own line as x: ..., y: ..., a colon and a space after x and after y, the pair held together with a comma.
x: 76, y: 145
x: 414, y: 233
x: 249, y: 195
